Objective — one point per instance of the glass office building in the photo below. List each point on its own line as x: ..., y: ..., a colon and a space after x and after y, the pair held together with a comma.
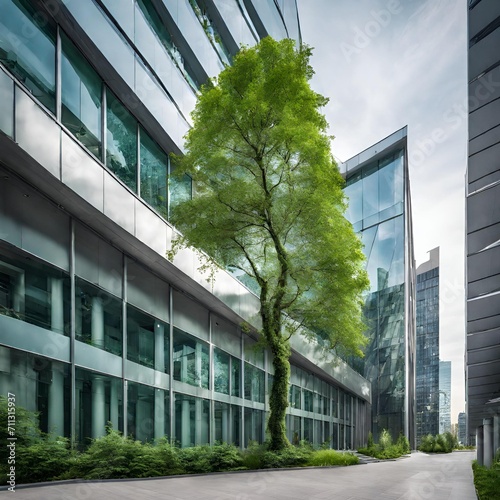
x: 377, y: 187
x: 483, y: 228
x: 427, y: 353
x: 96, y: 325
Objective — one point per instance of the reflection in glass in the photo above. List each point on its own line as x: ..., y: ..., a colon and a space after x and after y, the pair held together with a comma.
x: 221, y: 371
x: 98, y: 403
x: 153, y: 174
x: 179, y: 189
x: 254, y: 383
x: 121, y: 142
x: 98, y: 318
x: 221, y: 422
x: 235, y: 377
x: 308, y: 430
x: 40, y: 385
x: 254, y: 425
x: 192, y: 417
x: 81, y: 90
x: 27, y: 49
x: 35, y: 293
x: 191, y: 360
x: 147, y: 340
x: 308, y: 400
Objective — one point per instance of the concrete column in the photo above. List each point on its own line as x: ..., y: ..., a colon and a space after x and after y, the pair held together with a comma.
x: 479, y: 445
x: 97, y: 322
x: 184, y: 364
x: 159, y: 346
x: 98, y: 407
x: 186, y: 424
x: 56, y: 401
x: 496, y: 434
x: 114, y: 411
x: 56, y: 305
x: 487, y: 442
x: 159, y: 424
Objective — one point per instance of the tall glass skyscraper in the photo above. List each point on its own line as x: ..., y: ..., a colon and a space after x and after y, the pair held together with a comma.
x: 96, y: 325
x: 427, y: 355
x: 377, y: 185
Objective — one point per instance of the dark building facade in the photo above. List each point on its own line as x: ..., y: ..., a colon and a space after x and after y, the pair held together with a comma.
x: 377, y: 186
x: 427, y: 347
x: 96, y: 325
x: 483, y: 223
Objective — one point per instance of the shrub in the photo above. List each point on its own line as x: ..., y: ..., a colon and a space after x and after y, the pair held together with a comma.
x: 224, y: 456
x: 441, y: 443
x: 403, y: 444
x: 323, y: 458
x: 385, y: 440
x: 487, y: 481
x: 370, y: 443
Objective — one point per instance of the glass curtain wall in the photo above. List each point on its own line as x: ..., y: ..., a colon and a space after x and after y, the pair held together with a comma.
x: 376, y: 206
x: 28, y: 49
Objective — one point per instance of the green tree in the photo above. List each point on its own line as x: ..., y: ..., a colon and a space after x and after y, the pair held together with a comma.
x: 269, y: 203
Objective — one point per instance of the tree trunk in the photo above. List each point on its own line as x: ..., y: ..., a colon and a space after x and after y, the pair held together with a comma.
x: 278, y: 398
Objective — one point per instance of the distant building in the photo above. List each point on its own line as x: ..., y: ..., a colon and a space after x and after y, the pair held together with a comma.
x: 378, y: 188
x: 444, y: 396
x: 462, y: 428
x: 427, y: 352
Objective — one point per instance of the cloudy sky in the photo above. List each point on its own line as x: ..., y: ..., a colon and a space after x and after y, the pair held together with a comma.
x: 385, y: 64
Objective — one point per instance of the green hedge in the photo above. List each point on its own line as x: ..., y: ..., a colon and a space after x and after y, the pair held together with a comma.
x: 41, y: 457
x: 385, y: 449
x: 487, y: 481
x: 441, y: 443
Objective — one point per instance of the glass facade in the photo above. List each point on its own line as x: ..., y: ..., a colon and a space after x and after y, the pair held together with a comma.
x: 91, y: 312
x: 444, y: 396
x: 427, y: 354
x: 376, y: 209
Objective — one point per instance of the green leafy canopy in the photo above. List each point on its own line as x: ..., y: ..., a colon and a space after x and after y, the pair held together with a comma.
x: 268, y: 196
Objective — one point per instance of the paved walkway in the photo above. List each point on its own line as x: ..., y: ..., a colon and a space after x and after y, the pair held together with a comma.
x: 418, y: 477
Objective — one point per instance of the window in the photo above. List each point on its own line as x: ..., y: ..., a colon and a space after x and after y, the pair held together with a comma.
x: 153, y: 174
x: 192, y: 417
x: 34, y: 293
x: 221, y: 371
x: 81, y: 95
x: 28, y: 49
x: 254, y: 383
x: 191, y: 360
x: 180, y: 189
x: 235, y: 377
x: 98, y: 318
x: 144, y: 335
x: 121, y: 141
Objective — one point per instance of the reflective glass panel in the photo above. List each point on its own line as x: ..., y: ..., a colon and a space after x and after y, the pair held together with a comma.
x: 99, y: 403
x: 141, y: 412
x: 192, y: 417
x: 147, y: 340
x: 27, y: 49
x: 254, y: 383
x: 354, y: 212
x: 40, y: 385
x: 235, y: 377
x: 98, y: 318
x: 153, y: 174
x: 121, y: 141
x: 221, y: 422
x: 191, y: 360
x: 308, y: 400
x: 34, y: 292
x: 308, y: 430
x: 81, y: 94
x: 254, y: 425
x: 221, y: 371
x: 179, y: 190
x: 370, y: 192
